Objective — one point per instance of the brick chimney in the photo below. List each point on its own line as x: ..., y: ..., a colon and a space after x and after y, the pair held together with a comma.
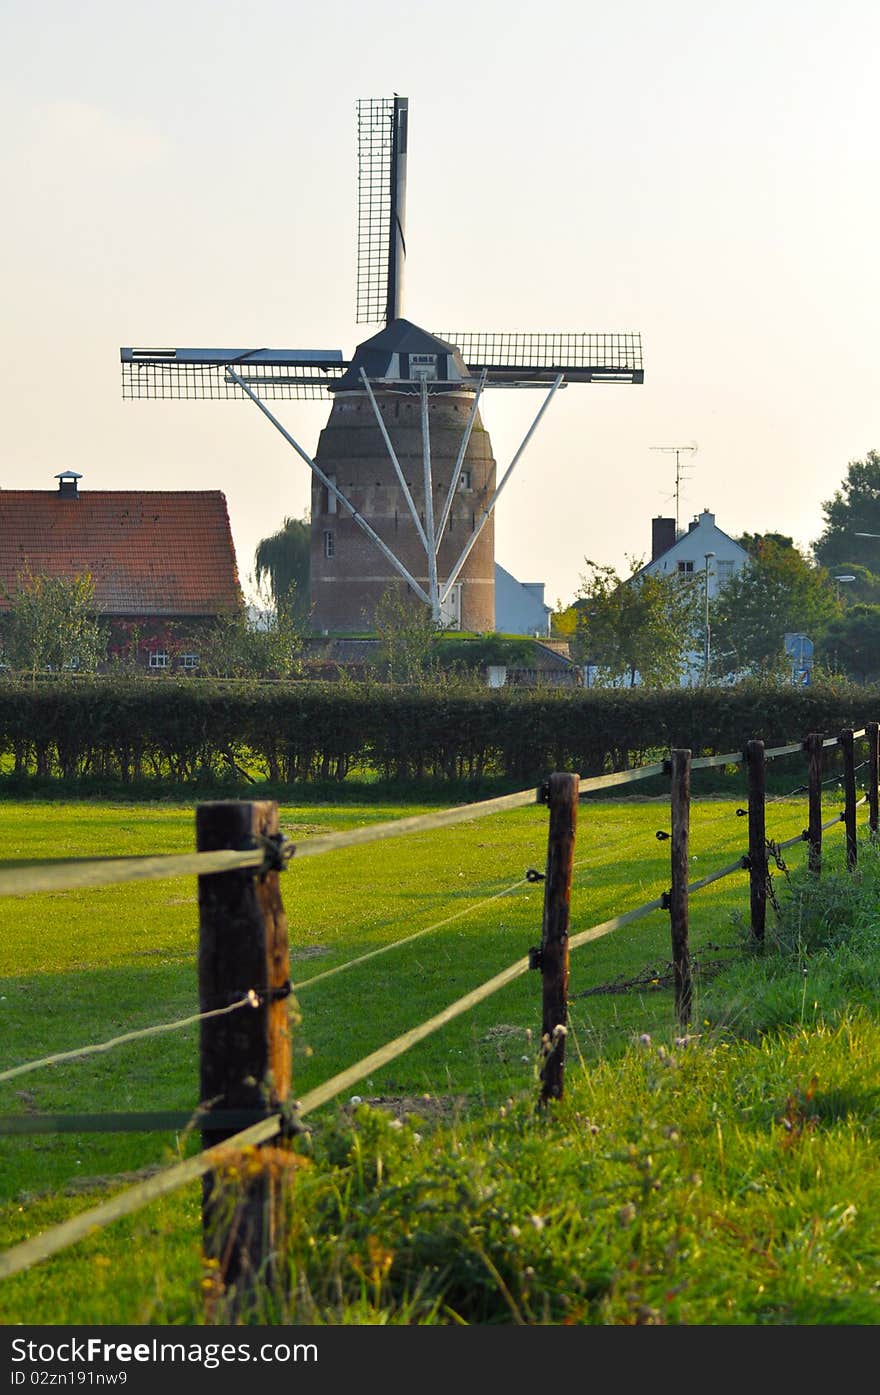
x: 662, y: 536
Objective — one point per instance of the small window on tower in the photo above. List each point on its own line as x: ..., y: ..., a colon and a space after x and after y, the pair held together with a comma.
x: 464, y: 480
x: 329, y: 543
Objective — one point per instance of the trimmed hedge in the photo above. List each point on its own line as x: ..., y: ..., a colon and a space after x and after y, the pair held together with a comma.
x: 198, y: 730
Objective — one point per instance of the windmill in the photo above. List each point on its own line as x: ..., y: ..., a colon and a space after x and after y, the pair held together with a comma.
x: 404, y: 485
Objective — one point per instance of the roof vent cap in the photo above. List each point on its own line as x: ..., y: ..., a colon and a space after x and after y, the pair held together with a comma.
x: 67, y: 486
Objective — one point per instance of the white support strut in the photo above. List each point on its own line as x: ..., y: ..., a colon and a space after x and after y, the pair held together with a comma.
x: 335, y: 491
x: 487, y: 511
x: 395, y: 462
x: 456, y: 473
x: 429, y: 506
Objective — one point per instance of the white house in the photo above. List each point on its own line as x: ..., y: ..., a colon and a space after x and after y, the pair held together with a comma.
x: 704, y: 544
x: 520, y: 608
x: 703, y: 548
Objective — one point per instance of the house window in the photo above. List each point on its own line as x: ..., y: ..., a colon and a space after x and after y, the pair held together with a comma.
x: 685, y: 567
x: 158, y: 658
x: 189, y: 661
x: 329, y: 543
x: 464, y: 480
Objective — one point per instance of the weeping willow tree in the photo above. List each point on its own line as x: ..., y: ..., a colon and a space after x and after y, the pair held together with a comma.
x: 282, y: 562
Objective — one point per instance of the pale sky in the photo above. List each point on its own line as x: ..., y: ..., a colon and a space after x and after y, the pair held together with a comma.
x: 700, y: 171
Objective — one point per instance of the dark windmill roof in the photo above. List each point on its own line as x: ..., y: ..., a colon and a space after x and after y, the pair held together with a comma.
x: 386, y: 355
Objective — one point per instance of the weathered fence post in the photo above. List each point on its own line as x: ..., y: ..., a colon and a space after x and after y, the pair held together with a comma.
x: 814, y: 749
x: 756, y: 767
x: 245, y: 1055
x: 680, y: 770
x: 847, y: 745
x: 562, y: 798
x: 873, y: 730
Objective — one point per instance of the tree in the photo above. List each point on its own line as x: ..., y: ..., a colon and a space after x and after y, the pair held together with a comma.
x: 52, y: 625
x: 239, y: 646
x: 851, y: 643
x: 855, y: 508
x: 777, y: 591
x: 406, y: 633
x: 282, y: 561
x: 645, y: 626
x: 753, y: 542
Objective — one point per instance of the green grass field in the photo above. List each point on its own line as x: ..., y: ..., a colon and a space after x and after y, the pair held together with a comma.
x: 83, y: 967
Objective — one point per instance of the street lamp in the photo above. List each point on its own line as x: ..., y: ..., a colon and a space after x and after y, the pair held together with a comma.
x: 847, y: 577
x: 708, y: 557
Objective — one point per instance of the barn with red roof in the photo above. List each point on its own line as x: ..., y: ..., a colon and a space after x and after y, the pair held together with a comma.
x: 162, y: 562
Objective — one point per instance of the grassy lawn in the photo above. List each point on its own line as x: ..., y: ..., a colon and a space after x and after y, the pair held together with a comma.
x: 83, y: 967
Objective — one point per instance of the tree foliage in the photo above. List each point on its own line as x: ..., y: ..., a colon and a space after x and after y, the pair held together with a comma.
x: 240, y: 646
x: 777, y: 591
x: 282, y: 562
x: 854, y: 508
x: 52, y: 625
x: 646, y: 626
x: 406, y: 633
x: 851, y: 643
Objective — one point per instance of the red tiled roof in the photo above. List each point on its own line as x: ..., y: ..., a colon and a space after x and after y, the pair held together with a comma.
x: 163, y: 552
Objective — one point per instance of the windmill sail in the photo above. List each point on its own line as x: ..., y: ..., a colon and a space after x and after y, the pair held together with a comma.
x: 519, y: 359
x: 382, y: 143
x: 193, y: 374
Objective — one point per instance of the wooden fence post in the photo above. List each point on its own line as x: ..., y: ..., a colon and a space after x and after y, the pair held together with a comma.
x: 756, y: 767
x: 245, y: 1055
x: 680, y: 770
x: 847, y: 745
x: 814, y: 749
x: 873, y: 730
x: 562, y: 798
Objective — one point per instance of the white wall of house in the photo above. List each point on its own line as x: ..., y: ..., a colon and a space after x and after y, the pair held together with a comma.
x: 519, y: 606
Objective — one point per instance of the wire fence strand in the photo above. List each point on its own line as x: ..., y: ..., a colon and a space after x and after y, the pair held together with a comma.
x: 251, y: 999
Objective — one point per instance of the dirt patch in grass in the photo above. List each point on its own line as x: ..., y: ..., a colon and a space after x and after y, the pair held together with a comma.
x: 435, y: 1109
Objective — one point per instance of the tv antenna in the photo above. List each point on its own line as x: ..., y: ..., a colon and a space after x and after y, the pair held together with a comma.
x: 396, y: 404
x: 679, y: 475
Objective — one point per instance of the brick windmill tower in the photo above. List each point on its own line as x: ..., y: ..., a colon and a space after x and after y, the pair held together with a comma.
x: 404, y: 483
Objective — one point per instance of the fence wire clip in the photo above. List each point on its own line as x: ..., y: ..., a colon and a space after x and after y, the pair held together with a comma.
x: 277, y: 852
x: 536, y: 957
x: 742, y: 813
x: 665, y: 900
x: 533, y: 875
x: 661, y: 835
x: 258, y: 997
x: 291, y: 1124
x: 544, y: 792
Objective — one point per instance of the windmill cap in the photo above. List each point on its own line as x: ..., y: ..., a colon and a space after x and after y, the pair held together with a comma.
x: 403, y: 353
